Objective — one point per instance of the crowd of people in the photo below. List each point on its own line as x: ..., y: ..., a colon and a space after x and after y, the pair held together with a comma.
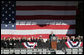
x: 16, y: 42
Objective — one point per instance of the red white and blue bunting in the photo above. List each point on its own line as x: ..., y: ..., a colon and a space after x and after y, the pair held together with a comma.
x: 29, y: 44
x: 71, y: 44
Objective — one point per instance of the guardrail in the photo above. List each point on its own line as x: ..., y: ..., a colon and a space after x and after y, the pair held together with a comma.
x: 74, y: 51
x: 25, y: 51
x: 42, y: 51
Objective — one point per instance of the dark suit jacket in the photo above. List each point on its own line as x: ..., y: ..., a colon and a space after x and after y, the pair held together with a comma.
x: 50, y: 39
x: 74, y: 40
x: 51, y: 36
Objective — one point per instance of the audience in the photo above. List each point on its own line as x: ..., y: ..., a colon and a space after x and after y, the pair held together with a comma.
x: 16, y: 42
x: 3, y: 42
x: 73, y: 39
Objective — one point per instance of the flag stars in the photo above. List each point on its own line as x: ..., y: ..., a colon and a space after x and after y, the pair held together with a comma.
x: 2, y: 14
x: 12, y: 18
x: 6, y: 25
x: 2, y: 2
x: 12, y: 25
x: 5, y: 11
x: 9, y: 21
x: 12, y: 12
x: 9, y: 8
x: 6, y: 18
x: 9, y: 2
x: 3, y: 8
x: 6, y: 5
x: 9, y: 14
x: 2, y: 21
x: 12, y: 5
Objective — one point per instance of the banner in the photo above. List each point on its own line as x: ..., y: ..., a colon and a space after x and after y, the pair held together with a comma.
x: 29, y: 44
x: 71, y: 44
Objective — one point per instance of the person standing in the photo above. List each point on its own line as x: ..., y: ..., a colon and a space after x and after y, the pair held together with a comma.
x: 73, y: 39
x: 50, y: 36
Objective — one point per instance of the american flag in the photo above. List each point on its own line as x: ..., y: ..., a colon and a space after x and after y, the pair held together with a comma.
x: 35, y: 18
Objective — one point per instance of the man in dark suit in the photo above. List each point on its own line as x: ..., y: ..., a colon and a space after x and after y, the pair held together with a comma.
x: 51, y: 35
x: 73, y: 39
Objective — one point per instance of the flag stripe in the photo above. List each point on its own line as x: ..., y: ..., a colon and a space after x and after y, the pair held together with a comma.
x: 33, y: 27
x: 38, y: 31
x: 46, y: 8
x: 48, y: 17
x: 36, y: 35
x: 45, y: 12
x: 49, y: 3
x: 50, y: 22
x: 35, y: 18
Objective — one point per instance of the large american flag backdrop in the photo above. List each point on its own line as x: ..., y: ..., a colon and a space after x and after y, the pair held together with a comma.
x: 35, y: 18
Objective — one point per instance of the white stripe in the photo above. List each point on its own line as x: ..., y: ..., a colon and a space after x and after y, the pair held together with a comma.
x: 78, y: 46
x: 46, y: 12
x: 74, y: 43
x: 50, y: 3
x: 51, y: 22
x: 69, y: 44
x: 25, y: 45
x: 30, y: 44
x: 37, y: 31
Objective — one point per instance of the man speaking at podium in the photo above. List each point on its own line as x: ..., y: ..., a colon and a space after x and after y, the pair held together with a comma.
x: 51, y: 35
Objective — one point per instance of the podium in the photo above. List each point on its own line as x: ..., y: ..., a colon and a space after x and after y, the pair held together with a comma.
x: 54, y: 42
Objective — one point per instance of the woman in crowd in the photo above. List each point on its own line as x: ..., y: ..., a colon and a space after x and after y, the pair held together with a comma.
x: 68, y: 38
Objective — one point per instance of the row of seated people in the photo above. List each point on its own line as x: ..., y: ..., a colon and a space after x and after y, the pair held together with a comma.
x: 16, y: 42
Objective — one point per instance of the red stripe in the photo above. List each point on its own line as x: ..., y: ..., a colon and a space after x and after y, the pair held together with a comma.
x: 24, y: 45
x: 81, y: 44
x: 74, y: 42
x: 67, y: 45
x: 35, y: 45
x: 50, y: 17
x: 37, y: 35
x: 31, y: 27
x: 46, y: 7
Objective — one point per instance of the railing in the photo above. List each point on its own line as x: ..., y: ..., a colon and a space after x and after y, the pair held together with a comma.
x: 42, y: 51
x: 25, y: 51
x: 74, y: 50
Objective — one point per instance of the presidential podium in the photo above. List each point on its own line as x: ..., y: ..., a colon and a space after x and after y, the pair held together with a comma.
x: 54, y: 42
